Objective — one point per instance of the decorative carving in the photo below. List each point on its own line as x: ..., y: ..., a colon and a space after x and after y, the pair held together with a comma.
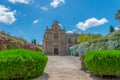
x: 57, y: 40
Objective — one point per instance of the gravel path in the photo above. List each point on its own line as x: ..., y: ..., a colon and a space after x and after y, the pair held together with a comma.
x: 65, y: 68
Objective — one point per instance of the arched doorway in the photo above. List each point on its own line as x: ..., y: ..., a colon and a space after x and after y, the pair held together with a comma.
x: 56, y: 50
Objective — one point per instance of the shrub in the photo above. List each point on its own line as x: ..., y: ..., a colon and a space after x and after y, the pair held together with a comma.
x: 21, y: 64
x: 109, y: 42
x: 103, y: 63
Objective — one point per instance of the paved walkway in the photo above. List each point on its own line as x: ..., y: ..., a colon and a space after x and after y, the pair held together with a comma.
x: 65, y: 68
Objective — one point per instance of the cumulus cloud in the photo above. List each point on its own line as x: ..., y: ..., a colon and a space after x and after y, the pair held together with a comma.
x: 92, y: 22
x: 35, y: 21
x: 61, y: 25
x: 69, y: 32
x: 117, y: 28
x: 44, y: 8
x: 55, y: 3
x: 21, y: 1
x: 7, y: 16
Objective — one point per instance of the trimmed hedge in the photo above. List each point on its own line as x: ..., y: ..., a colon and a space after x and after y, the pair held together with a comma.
x: 104, y: 62
x: 21, y: 64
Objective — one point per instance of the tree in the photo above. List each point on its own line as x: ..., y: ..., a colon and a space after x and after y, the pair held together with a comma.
x: 82, y: 38
x: 112, y: 29
x: 88, y: 37
x: 34, y: 41
x: 117, y: 15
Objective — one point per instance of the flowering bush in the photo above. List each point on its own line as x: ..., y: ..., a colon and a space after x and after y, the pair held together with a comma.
x: 109, y: 42
x: 11, y: 43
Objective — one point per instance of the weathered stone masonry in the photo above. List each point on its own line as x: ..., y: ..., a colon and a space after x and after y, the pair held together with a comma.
x: 56, y: 41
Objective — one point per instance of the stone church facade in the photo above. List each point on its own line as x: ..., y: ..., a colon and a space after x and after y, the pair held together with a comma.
x: 56, y: 41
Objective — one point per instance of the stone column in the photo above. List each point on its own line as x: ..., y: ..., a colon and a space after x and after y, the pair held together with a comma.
x: 82, y: 62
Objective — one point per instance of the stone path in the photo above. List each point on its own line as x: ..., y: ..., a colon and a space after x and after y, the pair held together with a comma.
x: 66, y: 68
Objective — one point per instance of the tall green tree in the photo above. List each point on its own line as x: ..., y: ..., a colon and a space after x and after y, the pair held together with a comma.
x: 112, y: 29
x: 34, y: 41
x: 117, y: 15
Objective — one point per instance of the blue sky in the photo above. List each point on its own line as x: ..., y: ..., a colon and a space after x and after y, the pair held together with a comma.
x: 29, y: 18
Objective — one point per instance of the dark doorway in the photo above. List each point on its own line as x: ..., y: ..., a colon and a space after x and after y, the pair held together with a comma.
x: 56, y: 51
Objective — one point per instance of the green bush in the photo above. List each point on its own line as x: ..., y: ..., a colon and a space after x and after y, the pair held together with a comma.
x: 21, y: 64
x: 104, y: 62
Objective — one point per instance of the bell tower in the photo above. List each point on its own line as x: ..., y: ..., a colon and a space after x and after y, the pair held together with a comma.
x: 56, y: 26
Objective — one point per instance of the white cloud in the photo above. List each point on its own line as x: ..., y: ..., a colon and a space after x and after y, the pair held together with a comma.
x: 7, y: 16
x: 61, y: 25
x: 117, y: 28
x: 92, y: 22
x: 69, y: 32
x: 21, y: 1
x: 55, y: 3
x: 35, y: 21
x: 44, y: 8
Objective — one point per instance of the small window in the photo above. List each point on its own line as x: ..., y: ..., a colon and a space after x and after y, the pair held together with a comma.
x: 69, y: 40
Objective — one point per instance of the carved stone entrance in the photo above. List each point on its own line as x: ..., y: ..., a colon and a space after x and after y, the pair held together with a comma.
x: 55, y: 51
